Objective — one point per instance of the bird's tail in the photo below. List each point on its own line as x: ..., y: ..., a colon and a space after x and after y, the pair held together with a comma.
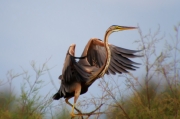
x: 57, y: 96
x: 60, y: 93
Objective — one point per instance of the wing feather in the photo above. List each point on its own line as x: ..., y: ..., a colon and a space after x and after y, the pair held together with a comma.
x: 123, y: 50
x: 120, y: 62
x: 73, y: 72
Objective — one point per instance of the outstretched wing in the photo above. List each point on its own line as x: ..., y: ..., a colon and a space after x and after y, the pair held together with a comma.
x: 119, y: 63
x: 73, y: 72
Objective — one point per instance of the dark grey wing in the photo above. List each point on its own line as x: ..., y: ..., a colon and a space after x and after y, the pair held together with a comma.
x: 120, y: 61
x: 73, y: 72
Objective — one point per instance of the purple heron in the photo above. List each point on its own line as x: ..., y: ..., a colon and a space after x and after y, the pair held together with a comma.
x: 98, y: 58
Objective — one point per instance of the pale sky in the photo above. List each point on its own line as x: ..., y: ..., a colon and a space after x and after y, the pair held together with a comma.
x: 37, y: 30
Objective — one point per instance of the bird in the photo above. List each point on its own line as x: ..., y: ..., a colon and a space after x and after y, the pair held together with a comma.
x: 98, y: 58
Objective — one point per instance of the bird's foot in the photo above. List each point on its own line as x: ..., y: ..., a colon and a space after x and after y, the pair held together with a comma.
x: 72, y: 115
x: 87, y: 114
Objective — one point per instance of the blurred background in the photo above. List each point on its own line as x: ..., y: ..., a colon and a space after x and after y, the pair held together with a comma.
x: 35, y: 36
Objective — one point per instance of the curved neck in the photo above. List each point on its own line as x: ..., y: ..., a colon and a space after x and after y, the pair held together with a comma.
x: 103, y: 69
x: 108, y: 55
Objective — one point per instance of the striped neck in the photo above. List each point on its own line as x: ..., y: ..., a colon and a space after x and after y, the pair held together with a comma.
x: 108, y: 56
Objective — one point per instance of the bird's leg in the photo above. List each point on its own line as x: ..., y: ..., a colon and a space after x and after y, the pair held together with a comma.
x: 71, y: 104
x: 76, y: 95
x: 74, y: 107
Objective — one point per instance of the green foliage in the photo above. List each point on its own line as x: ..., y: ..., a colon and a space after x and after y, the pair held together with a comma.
x: 64, y: 114
x: 157, y: 105
x: 29, y: 104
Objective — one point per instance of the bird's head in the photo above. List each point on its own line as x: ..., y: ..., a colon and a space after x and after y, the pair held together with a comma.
x: 115, y: 28
x: 72, y: 49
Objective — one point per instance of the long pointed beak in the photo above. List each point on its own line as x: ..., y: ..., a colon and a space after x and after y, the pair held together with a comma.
x: 121, y: 28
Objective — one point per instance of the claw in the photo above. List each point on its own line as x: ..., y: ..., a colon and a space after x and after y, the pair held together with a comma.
x: 88, y: 114
x: 80, y: 113
x: 72, y: 115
